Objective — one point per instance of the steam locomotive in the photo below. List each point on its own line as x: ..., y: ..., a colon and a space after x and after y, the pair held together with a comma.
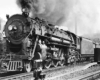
x: 34, y: 43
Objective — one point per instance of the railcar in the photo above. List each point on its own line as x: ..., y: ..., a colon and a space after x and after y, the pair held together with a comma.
x: 97, y: 52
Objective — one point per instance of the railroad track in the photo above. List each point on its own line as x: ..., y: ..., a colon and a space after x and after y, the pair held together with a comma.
x: 89, y: 76
x: 22, y: 76
x: 29, y: 76
x: 76, y: 71
x: 26, y: 76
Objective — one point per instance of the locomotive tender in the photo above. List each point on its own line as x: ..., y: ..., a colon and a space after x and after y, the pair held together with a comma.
x: 34, y: 43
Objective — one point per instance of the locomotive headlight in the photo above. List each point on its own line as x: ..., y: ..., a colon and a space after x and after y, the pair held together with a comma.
x: 15, y: 28
x: 10, y: 27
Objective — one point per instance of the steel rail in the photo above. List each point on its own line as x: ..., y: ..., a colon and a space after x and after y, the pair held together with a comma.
x: 88, y: 76
x: 17, y: 76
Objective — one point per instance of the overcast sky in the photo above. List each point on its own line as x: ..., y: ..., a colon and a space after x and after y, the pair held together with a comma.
x: 87, y: 13
x: 8, y: 7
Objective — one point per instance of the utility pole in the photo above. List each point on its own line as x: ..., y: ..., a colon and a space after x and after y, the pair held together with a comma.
x: 76, y: 24
x: 0, y: 25
x: 75, y: 18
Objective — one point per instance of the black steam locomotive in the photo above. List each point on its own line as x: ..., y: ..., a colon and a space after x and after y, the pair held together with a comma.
x: 34, y: 43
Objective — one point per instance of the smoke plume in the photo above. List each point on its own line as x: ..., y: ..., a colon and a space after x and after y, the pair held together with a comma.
x: 84, y: 15
x: 54, y: 11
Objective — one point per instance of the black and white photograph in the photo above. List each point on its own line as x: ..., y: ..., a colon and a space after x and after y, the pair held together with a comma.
x: 49, y: 39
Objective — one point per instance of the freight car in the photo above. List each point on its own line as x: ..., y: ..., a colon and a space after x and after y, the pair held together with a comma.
x: 34, y: 43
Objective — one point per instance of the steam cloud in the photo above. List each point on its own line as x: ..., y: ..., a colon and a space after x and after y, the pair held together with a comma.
x: 84, y: 14
x: 54, y: 11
